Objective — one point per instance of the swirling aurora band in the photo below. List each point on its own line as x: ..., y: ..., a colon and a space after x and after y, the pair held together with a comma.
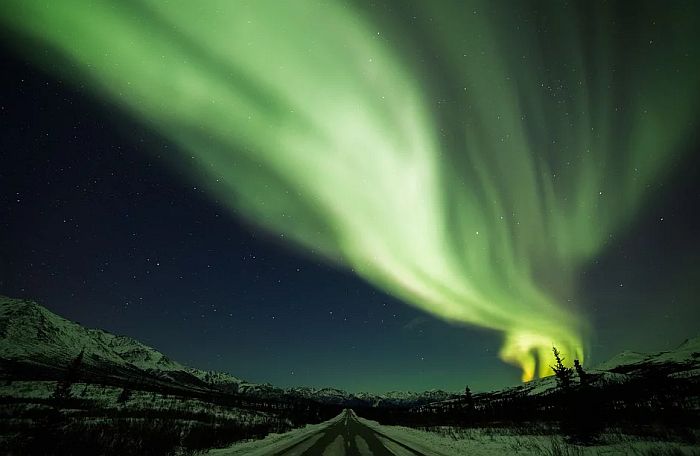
x: 469, y: 160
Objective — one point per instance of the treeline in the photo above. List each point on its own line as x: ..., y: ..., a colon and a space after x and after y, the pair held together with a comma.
x: 82, y: 426
x: 141, y: 417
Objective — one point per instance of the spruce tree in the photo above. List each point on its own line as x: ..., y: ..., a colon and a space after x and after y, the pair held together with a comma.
x: 562, y: 372
x: 63, y: 388
x: 582, y: 376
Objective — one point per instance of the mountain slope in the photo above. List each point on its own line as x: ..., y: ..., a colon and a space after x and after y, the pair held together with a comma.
x: 36, y: 343
x: 688, y: 353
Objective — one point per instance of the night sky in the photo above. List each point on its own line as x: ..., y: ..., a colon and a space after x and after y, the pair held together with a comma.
x: 112, y: 213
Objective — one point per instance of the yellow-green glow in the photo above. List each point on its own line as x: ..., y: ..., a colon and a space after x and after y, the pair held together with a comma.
x: 307, y: 120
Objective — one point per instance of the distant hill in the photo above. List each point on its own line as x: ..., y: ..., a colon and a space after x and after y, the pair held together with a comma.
x: 685, y: 356
x: 36, y: 344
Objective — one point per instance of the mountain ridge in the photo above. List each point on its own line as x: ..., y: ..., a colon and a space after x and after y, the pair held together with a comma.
x: 37, y: 342
x: 32, y: 335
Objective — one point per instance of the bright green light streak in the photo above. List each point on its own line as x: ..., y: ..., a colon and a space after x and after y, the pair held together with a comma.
x: 306, y: 121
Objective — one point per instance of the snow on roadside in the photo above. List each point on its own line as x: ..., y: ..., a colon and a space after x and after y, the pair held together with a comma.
x: 276, y: 442
x: 413, y: 438
x: 488, y: 442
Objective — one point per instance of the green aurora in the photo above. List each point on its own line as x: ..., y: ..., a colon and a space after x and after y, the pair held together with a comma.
x: 469, y: 158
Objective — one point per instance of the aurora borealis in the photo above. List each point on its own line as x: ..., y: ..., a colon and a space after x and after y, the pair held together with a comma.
x: 468, y: 159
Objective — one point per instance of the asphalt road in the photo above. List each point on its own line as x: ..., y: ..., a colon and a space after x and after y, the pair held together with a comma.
x: 350, y: 437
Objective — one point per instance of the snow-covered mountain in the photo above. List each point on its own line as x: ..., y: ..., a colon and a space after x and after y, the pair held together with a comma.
x: 398, y: 398
x: 35, y: 343
x: 29, y: 331
x: 685, y: 355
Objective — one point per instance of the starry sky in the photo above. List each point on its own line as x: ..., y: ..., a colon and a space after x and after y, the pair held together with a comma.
x: 102, y: 225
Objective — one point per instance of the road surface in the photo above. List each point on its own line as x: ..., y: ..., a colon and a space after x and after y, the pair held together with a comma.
x: 350, y: 437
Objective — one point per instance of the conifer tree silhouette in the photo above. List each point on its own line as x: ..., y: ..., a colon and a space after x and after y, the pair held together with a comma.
x: 582, y: 376
x: 63, y: 387
x: 562, y: 372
